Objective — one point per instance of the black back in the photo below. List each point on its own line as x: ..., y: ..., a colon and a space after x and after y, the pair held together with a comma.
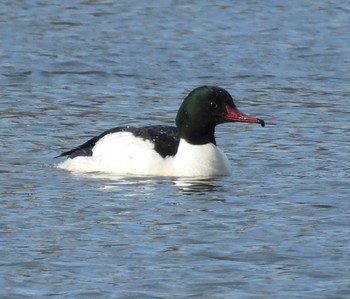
x: 165, y: 138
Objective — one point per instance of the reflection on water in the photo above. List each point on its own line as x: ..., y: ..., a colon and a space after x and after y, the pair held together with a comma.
x: 141, y: 184
x: 191, y: 186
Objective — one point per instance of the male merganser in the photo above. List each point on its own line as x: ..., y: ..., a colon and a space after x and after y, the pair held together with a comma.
x: 187, y: 150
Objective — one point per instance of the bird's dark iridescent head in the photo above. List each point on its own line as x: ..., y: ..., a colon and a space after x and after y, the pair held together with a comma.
x: 203, y: 109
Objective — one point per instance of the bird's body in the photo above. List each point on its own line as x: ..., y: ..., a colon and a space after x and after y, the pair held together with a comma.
x: 187, y: 150
x: 123, y: 153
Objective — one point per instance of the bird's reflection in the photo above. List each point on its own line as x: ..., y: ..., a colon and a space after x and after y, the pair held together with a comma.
x: 186, y: 185
x: 191, y: 186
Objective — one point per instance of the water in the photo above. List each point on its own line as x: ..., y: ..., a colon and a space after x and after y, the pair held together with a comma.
x: 277, y: 228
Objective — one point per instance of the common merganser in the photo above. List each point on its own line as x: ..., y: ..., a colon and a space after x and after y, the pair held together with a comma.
x: 187, y: 150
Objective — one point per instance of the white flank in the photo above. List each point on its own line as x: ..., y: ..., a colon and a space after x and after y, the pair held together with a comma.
x: 123, y: 153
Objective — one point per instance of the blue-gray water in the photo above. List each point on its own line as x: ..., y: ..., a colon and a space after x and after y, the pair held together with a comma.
x: 279, y: 227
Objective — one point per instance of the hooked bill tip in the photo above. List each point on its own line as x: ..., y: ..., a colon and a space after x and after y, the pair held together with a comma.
x: 261, y: 122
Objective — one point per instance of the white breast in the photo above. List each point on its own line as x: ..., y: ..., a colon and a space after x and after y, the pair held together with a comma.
x: 200, y: 160
x: 123, y: 153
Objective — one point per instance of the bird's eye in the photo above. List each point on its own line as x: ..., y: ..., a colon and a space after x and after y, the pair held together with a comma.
x: 213, y: 105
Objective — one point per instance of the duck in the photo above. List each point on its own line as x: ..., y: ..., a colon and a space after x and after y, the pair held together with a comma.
x: 188, y: 149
